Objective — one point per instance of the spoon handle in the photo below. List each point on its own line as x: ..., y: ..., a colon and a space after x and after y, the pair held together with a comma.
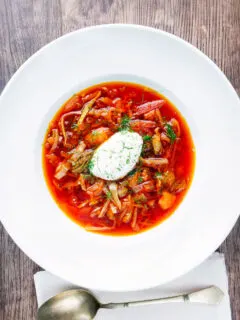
x: 212, y: 295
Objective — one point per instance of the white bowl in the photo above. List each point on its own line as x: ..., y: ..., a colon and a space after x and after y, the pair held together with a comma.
x: 207, y: 101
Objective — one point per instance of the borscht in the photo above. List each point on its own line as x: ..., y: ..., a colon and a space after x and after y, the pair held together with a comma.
x: 118, y: 158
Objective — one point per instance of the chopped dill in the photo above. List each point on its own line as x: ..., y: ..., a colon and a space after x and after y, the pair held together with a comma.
x: 74, y: 125
x: 108, y: 195
x: 170, y: 133
x: 124, y: 124
x: 158, y: 175
x: 146, y: 138
x: 140, y: 179
x: 90, y: 165
x: 131, y: 173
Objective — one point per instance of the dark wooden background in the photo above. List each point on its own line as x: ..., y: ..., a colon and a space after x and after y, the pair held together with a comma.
x: 26, y: 25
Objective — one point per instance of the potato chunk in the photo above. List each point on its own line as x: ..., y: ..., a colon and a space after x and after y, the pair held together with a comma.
x: 167, y: 200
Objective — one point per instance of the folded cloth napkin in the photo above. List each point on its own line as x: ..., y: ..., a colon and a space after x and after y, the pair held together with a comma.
x: 210, y: 272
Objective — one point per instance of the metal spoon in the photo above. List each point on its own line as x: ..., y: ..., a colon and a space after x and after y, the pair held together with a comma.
x: 82, y: 305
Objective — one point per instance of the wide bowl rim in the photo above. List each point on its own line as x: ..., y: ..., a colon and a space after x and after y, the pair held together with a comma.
x: 140, y: 27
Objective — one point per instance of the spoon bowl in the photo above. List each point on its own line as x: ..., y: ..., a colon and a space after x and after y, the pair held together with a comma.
x: 70, y: 305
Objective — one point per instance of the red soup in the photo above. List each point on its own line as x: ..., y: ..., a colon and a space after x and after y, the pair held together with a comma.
x: 126, y: 199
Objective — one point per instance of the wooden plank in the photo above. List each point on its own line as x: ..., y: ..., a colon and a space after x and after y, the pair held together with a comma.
x: 26, y: 25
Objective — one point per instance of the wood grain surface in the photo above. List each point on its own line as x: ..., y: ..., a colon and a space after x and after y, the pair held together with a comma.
x: 26, y: 25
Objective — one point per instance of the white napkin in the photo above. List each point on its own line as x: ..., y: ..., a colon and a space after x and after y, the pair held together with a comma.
x: 211, y: 272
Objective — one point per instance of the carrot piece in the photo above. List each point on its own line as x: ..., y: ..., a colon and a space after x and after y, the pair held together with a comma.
x: 127, y: 217
x: 53, y: 159
x: 98, y: 136
x: 156, y: 142
x: 133, y: 180
x: 72, y: 103
x: 158, y: 185
x: 89, y: 96
x: 111, y: 212
x: 151, y: 203
x: 134, y: 225
x: 107, y: 101
x: 127, y: 210
x: 159, y: 116
x: 83, y: 204
x: 146, y: 174
x: 175, y: 124
x: 150, y: 115
x: 165, y: 138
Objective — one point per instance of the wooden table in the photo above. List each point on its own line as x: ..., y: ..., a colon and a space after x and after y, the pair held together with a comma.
x: 26, y: 25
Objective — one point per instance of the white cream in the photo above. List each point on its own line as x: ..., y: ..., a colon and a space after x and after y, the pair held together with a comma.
x: 117, y: 156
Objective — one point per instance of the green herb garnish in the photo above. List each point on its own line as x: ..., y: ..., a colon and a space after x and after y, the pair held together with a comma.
x: 74, y: 125
x: 95, y: 133
x: 140, y: 199
x: 90, y: 165
x: 108, y: 195
x: 158, y: 175
x: 131, y: 173
x: 146, y: 138
x: 170, y: 133
x: 124, y: 124
x: 140, y: 179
